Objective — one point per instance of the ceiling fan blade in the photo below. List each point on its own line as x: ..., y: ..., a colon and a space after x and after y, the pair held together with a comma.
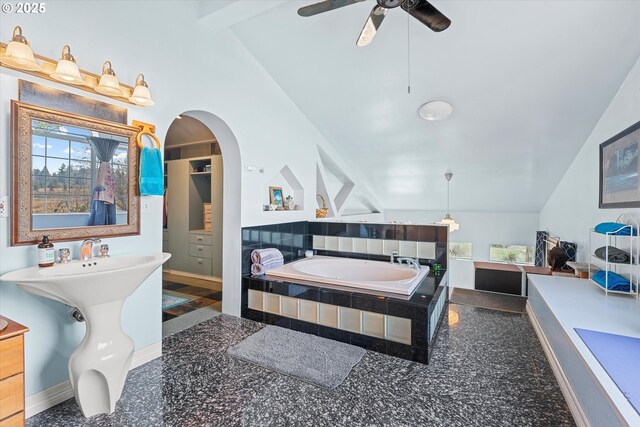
x: 371, y: 26
x: 325, y: 6
x: 426, y: 13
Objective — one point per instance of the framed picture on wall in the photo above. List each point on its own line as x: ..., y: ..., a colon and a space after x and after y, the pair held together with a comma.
x: 276, y: 197
x: 619, y: 170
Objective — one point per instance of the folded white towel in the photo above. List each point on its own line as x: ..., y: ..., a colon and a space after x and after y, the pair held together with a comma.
x: 257, y: 269
x: 265, y: 256
x: 260, y: 269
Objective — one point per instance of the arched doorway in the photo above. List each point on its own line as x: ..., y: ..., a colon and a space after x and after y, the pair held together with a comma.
x: 231, y: 202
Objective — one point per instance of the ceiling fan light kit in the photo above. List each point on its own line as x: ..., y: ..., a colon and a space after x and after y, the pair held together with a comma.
x: 422, y: 10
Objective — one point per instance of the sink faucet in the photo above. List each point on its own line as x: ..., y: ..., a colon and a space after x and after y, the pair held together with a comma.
x: 394, y: 254
x: 411, y: 262
x: 86, y: 249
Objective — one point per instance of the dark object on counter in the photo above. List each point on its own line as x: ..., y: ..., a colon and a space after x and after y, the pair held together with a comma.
x: 615, y: 255
x: 46, y: 255
x: 557, y: 258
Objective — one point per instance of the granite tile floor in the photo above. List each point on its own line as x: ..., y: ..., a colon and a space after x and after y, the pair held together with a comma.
x: 488, y: 369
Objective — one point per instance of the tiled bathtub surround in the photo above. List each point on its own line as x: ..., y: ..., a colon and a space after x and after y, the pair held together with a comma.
x: 401, y: 327
x: 290, y: 238
x: 428, y: 243
x: 424, y: 250
x: 363, y: 322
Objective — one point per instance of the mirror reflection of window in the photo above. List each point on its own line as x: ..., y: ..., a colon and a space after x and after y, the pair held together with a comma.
x: 66, y: 164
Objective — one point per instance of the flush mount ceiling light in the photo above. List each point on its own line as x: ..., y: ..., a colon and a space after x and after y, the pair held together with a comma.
x: 435, y: 110
x: 67, y: 70
x: 18, y: 53
x: 141, y: 95
x: 109, y: 84
x: 447, y: 220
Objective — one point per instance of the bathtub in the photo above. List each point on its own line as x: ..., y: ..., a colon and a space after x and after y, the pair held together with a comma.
x: 354, y: 273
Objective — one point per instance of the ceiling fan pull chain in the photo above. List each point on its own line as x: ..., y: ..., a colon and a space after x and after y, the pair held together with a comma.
x: 408, y: 56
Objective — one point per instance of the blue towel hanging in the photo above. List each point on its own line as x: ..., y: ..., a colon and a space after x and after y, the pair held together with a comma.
x: 151, y: 177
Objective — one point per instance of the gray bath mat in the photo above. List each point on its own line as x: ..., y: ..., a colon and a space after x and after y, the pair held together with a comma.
x: 313, y: 359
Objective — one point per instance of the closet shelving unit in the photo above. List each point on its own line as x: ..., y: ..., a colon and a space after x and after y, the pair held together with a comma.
x: 629, y: 270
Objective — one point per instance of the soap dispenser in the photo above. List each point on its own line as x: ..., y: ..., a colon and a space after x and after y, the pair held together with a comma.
x: 46, y: 254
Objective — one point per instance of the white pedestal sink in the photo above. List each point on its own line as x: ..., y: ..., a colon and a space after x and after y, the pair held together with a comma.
x: 97, y: 288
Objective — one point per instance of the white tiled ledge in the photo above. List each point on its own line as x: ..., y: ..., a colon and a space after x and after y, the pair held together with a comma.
x: 362, y: 322
x: 435, y: 315
x: 375, y: 246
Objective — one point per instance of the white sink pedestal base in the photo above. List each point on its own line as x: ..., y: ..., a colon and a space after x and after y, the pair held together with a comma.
x: 98, y: 367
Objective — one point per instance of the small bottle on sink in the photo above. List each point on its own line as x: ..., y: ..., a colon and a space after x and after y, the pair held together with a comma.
x: 46, y: 253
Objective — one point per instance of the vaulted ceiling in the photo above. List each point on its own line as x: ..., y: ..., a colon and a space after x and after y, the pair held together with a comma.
x: 528, y: 81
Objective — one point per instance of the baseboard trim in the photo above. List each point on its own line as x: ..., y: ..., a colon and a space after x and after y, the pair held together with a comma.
x: 193, y: 275
x: 52, y: 396
x: 572, y: 400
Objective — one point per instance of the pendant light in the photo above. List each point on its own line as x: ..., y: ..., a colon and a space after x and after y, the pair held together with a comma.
x: 18, y: 53
x: 109, y: 84
x: 447, y: 220
x: 141, y: 95
x: 67, y: 70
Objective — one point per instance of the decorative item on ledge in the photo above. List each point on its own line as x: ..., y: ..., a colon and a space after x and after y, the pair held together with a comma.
x: 324, y: 210
x: 276, y: 198
x: 17, y: 55
x: 277, y: 201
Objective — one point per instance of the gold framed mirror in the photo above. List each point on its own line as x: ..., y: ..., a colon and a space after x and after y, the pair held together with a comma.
x: 74, y: 177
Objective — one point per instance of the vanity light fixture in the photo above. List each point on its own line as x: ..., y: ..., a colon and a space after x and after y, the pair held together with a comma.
x: 435, y: 110
x: 109, y: 84
x: 67, y: 70
x: 447, y: 220
x: 141, y: 95
x: 18, y: 53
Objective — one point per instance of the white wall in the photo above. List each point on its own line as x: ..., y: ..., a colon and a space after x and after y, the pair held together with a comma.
x: 210, y: 72
x: 479, y: 228
x: 573, y: 209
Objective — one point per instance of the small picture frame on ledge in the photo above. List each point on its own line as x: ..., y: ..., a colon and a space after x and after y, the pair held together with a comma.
x: 620, y: 170
x: 276, y: 197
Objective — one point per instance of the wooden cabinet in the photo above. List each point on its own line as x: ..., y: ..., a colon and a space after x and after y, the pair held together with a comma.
x: 496, y: 277
x: 12, y: 374
x: 194, y: 216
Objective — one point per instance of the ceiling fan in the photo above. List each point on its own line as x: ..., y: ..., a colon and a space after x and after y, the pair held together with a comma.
x: 422, y: 10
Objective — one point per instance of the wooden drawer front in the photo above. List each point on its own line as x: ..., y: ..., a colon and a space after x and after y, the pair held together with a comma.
x: 200, y: 266
x: 200, y: 239
x: 16, y: 420
x: 11, y: 361
x: 11, y: 395
x: 201, y: 251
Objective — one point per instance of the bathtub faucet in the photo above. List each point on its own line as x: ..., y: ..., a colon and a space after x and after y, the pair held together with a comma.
x: 411, y: 262
x: 394, y: 254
